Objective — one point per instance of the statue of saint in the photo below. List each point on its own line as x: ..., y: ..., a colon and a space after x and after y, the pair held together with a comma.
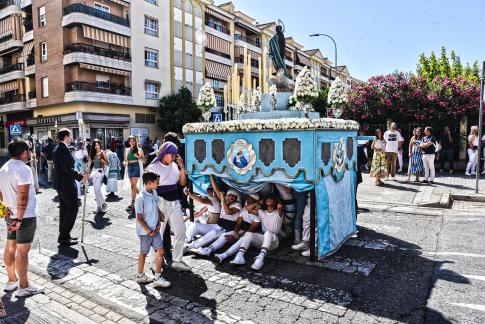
x: 277, y: 48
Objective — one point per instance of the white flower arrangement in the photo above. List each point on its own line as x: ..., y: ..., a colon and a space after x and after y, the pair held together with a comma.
x: 273, y: 90
x: 207, y: 98
x: 256, y: 99
x: 337, y: 95
x: 270, y: 124
x: 305, y: 88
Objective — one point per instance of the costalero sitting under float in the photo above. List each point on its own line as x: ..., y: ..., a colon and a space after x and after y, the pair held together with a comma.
x: 276, y: 144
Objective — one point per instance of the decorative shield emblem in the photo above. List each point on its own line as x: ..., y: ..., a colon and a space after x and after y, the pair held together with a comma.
x: 241, y: 156
x: 339, y: 155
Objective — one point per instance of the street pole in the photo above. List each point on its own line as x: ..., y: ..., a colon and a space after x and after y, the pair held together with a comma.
x: 335, y: 46
x: 480, y: 117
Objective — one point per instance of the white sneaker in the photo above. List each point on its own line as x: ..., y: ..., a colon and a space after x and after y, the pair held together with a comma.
x: 239, y: 259
x: 29, y: 291
x: 258, y: 263
x: 474, y: 173
x: 393, y: 178
x: 181, y: 266
x: 300, y: 246
x: 11, y: 286
x: 219, y: 258
x: 104, y: 208
x: 467, y: 173
x: 305, y: 253
x: 483, y: 172
x: 202, y: 251
x: 143, y: 278
x: 160, y: 282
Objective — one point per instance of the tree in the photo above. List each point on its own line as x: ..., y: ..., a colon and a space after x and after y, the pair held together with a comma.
x: 423, y: 66
x: 475, y: 75
x: 178, y: 110
x: 320, y: 103
x: 434, y: 67
x: 456, y: 67
x: 444, y: 64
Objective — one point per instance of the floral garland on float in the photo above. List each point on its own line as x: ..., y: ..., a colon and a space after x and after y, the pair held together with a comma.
x: 206, y: 100
x: 337, y: 97
x: 305, y: 90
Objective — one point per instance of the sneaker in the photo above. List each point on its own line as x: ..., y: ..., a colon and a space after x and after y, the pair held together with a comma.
x: 305, y: 253
x: 143, y: 278
x: 393, y: 178
x: 474, y: 173
x: 202, y: 251
x: 29, y: 291
x: 11, y: 286
x: 467, y: 173
x: 188, y: 248
x: 160, y: 282
x: 218, y: 258
x: 300, y: 246
x: 181, y: 266
x: 258, y: 263
x: 104, y: 208
x: 483, y: 172
x: 239, y: 259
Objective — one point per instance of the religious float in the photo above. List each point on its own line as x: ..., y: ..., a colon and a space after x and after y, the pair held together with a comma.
x: 277, y: 138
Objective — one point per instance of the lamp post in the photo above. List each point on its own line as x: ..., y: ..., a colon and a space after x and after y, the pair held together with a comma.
x: 334, y: 44
x: 480, y: 121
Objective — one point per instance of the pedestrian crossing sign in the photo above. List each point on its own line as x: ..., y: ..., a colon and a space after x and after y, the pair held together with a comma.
x: 217, y: 117
x: 15, y: 130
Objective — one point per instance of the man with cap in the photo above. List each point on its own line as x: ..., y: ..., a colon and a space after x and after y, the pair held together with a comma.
x: 171, y: 169
x: 230, y: 208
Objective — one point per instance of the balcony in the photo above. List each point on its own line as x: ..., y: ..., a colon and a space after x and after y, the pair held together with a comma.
x: 12, y: 72
x: 218, y: 27
x: 289, y: 62
x: 12, y: 103
x: 95, y: 50
x: 31, y: 100
x: 28, y: 36
x: 7, y: 44
x: 10, y: 7
x: 240, y: 40
x: 79, y: 14
x: 25, y: 3
x: 98, y: 92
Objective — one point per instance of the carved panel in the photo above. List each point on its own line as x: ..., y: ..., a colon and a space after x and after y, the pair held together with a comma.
x: 267, y: 151
x: 326, y: 153
x: 291, y: 151
x: 200, y: 150
x: 350, y: 147
x: 218, y: 150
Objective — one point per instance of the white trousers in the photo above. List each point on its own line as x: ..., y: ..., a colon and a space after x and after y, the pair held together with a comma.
x: 306, y: 223
x: 210, y: 237
x: 175, y: 217
x: 230, y: 251
x: 472, y: 160
x: 428, y: 161
x: 98, y: 175
x: 268, y: 241
x: 399, y: 159
x: 197, y: 228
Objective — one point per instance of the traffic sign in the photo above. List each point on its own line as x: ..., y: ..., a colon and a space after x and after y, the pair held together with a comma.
x: 15, y: 130
x: 217, y: 117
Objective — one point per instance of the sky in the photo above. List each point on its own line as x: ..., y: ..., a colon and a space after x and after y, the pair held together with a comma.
x: 378, y: 36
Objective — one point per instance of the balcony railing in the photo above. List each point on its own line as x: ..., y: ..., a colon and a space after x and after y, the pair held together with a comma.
x: 85, y: 48
x: 32, y: 94
x: 12, y: 99
x: 6, y: 38
x: 240, y: 59
x: 101, y: 87
x: 210, y: 50
x: 12, y: 67
x: 218, y: 27
x: 96, y: 13
x: 247, y: 40
x: 6, y: 3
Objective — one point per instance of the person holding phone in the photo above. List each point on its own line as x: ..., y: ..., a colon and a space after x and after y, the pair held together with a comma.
x: 133, y: 158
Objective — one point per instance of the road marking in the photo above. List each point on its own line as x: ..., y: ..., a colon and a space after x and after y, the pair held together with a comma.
x: 475, y: 277
x: 471, y: 255
x: 471, y: 306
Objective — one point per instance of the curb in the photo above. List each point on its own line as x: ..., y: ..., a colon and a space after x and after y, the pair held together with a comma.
x: 465, y: 197
x: 405, y: 209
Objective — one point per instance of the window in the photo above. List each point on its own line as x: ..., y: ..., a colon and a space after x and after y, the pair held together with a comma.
x: 101, y: 8
x: 151, y: 26
x: 103, y: 81
x: 151, y: 90
x: 151, y: 58
x: 155, y: 2
x: 42, y: 17
x: 45, y: 87
x: 145, y: 118
x: 219, y: 101
x: 43, y: 51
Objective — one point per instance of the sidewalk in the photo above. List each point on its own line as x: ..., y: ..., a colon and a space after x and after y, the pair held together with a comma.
x: 401, y: 193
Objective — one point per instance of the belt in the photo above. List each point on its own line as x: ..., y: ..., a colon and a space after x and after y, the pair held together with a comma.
x: 131, y: 162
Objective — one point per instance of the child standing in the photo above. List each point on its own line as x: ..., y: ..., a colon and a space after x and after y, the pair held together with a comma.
x: 148, y: 220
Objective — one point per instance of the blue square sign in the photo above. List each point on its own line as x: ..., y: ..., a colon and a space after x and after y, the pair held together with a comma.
x: 15, y: 130
x: 217, y: 117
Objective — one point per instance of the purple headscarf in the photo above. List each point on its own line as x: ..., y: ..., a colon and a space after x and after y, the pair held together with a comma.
x: 167, y: 148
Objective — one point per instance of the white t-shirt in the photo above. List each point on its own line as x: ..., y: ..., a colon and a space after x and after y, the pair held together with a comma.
x: 13, y: 174
x: 271, y: 221
x: 392, y: 141
x: 169, y: 174
x: 79, y: 154
x: 234, y: 216
x: 215, y: 208
x: 248, y: 217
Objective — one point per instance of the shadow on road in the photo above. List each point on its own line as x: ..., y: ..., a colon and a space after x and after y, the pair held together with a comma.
x: 99, y: 222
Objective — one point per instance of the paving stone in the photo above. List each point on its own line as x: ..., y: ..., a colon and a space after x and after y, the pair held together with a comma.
x: 78, y: 299
x: 100, y: 310
x: 88, y: 304
x: 113, y: 316
x: 90, y: 282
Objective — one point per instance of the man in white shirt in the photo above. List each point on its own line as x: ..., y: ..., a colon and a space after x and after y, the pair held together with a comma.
x: 18, y: 195
x: 393, y: 143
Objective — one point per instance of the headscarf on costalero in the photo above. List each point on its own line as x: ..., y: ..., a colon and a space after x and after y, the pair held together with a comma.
x: 166, y: 148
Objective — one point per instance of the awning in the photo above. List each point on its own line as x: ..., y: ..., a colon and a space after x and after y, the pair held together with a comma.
x: 239, y: 51
x: 105, y: 36
x: 217, y: 15
x: 303, y: 60
x: 103, y: 69
x: 5, y: 27
x: 121, y: 2
x: 218, y: 44
x: 9, y: 86
x: 217, y: 70
x: 16, y: 26
x: 27, y: 50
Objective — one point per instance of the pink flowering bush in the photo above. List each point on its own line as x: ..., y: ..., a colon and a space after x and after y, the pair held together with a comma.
x: 407, y: 98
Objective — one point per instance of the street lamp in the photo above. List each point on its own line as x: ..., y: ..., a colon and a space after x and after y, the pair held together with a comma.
x: 480, y: 121
x: 335, y: 44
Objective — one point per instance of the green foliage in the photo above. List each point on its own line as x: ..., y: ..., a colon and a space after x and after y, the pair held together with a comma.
x: 177, y: 110
x: 434, y: 67
x: 320, y: 103
x: 444, y: 64
x: 423, y: 66
x: 456, y: 67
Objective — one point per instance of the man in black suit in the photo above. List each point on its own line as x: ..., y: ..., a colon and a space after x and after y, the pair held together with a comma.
x: 66, y: 187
